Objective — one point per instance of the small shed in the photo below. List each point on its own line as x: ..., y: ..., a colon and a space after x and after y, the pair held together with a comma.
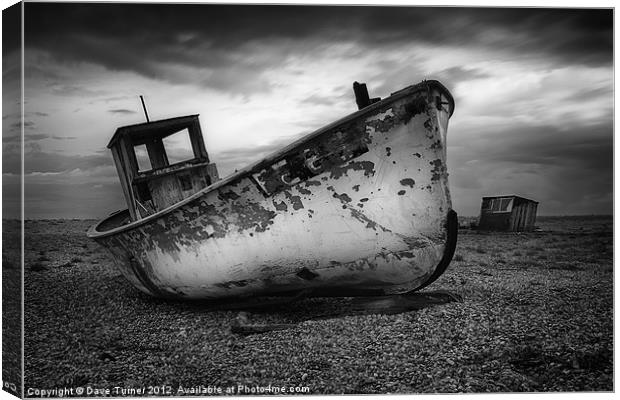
x: 507, y: 213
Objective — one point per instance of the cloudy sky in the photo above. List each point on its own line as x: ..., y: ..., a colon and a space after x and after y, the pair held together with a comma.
x: 533, y: 91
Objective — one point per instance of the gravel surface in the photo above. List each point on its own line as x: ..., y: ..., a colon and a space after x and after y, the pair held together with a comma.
x: 536, y: 315
x: 11, y: 307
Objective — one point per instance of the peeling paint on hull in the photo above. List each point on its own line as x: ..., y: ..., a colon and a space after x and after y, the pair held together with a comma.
x: 326, y: 212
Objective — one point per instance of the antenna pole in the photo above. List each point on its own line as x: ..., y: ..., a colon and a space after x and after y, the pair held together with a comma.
x: 144, y: 107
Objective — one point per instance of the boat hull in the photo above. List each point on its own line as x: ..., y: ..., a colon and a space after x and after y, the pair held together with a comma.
x: 361, y: 206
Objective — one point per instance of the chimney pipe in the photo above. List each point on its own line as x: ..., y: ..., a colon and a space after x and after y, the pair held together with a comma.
x: 361, y: 95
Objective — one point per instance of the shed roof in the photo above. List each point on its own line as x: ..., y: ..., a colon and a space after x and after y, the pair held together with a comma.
x: 140, y: 133
x: 509, y: 195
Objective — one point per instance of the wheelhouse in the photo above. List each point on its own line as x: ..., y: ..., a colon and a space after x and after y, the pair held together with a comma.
x: 160, y: 163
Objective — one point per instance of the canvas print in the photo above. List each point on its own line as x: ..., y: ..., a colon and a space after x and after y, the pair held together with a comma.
x: 233, y: 199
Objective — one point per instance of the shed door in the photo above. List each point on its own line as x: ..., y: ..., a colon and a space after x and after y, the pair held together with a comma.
x: 519, y: 218
x: 523, y: 225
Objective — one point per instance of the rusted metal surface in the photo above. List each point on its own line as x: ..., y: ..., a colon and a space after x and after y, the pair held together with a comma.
x: 361, y: 204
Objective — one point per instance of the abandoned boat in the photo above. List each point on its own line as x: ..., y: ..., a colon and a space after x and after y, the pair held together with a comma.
x: 358, y: 207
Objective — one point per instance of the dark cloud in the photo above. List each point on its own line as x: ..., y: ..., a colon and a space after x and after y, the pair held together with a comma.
x: 593, y: 154
x: 560, y: 191
x: 597, y: 93
x: 11, y: 29
x: 574, y: 147
x: 145, y: 38
x: 27, y: 125
x: 27, y: 114
x: 241, y: 79
x: 11, y: 139
x: 39, y: 161
x: 572, y: 168
x: 111, y: 99
x: 121, y: 111
x: 450, y: 77
x: 316, y: 99
x: 36, y: 136
x: 74, y: 91
x: 64, y: 137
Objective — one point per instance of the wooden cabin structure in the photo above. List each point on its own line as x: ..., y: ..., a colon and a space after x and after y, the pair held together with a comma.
x: 154, y: 183
x: 507, y: 213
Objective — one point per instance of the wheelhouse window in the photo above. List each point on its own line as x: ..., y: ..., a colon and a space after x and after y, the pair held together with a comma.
x: 142, y: 157
x: 179, y: 147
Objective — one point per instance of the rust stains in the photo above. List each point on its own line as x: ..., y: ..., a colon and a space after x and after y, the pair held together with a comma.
x: 328, y: 152
x: 370, y: 224
x: 417, y: 242
x: 232, y: 284
x: 407, y: 182
x: 198, y: 221
x: 436, y: 145
x: 324, y: 153
x: 252, y: 216
x: 366, y: 166
x: 303, y: 191
x: 413, y: 108
x: 438, y: 169
x: 297, y: 204
x: 228, y: 195
x: 270, y: 181
x: 343, y: 197
x: 280, y: 206
x: 382, y: 125
x: 403, y: 113
x: 295, y: 200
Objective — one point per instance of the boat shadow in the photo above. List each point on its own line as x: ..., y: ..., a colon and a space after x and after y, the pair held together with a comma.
x: 256, y: 315
x: 307, y: 307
